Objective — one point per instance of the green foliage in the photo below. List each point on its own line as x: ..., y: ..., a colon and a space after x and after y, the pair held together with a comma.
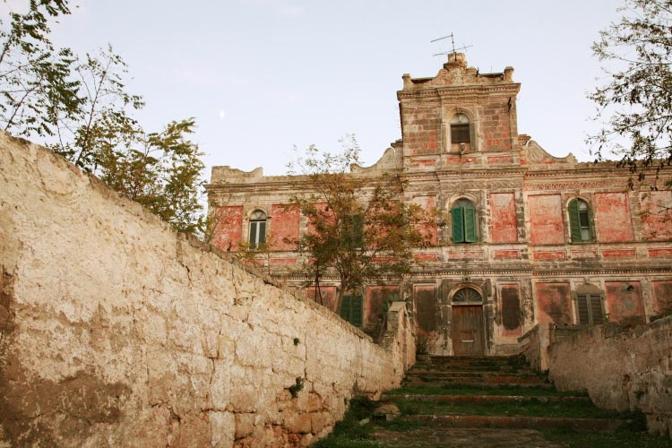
x: 83, y: 110
x: 358, y: 226
x: 636, y: 102
x: 35, y: 77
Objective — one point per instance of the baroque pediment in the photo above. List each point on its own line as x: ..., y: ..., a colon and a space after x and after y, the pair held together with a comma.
x: 535, y: 154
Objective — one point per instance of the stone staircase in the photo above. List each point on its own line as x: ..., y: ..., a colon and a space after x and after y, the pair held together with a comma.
x: 480, y: 402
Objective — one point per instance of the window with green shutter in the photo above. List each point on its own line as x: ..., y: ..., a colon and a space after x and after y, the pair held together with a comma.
x: 351, y: 310
x: 580, y: 221
x: 465, y: 223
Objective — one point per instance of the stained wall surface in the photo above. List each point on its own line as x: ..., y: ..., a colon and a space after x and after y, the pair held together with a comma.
x: 115, y: 331
x: 621, y: 368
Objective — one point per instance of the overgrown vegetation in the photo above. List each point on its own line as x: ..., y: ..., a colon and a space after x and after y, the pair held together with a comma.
x: 635, y: 103
x: 358, y: 227
x: 80, y: 108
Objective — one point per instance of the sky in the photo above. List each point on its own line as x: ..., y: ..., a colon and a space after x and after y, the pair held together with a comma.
x: 264, y: 76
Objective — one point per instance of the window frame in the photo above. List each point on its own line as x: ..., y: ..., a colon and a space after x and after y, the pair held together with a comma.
x: 458, y: 125
x: 590, y: 299
x: 576, y: 229
x: 463, y: 212
x: 257, y: 229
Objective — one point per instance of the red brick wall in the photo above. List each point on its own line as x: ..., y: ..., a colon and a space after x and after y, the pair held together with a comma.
x: 546, y: 225
x: 421, y: 128
x: 373, y: 304
x: 656, y: 215
x: 329, y: 296
x: 503, y: 218
x: 612, y: 216
x: 285, y: 223
x: 229, y: 228
x: 624, y: 301
x: 662, y: 290
x: 428, y: 228
x: 553, y: 302
x: 495, y: 125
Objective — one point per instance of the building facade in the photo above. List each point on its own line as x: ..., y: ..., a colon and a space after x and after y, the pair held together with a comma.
x: 520, y: 237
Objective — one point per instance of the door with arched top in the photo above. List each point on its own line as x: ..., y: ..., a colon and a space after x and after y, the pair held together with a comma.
x: 467, y: 329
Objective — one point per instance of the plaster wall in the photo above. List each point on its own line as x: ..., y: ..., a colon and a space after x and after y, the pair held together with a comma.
x: 621, y: 368
x: 115, y: 331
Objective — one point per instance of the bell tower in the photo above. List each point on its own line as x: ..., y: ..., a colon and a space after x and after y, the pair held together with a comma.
x: 458, y: 118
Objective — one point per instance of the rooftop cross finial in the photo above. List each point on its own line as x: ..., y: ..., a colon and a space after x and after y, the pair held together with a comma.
x: 452, y: 44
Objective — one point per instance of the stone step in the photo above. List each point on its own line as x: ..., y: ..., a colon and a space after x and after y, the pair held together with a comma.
x: 472, y: 383
x: 472, y: 373
x: 517, y: 422
x: 427, y: 437
x: 478, y: 368
x: 481, y: 398
x: 448, y: 378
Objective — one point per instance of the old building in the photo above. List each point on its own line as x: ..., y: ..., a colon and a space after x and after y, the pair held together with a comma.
x: 521, y: 237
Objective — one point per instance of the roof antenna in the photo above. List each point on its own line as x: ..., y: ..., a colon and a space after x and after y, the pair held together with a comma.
x: 452, y: 44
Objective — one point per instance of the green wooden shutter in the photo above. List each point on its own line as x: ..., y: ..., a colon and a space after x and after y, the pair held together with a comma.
x: 458, y: 225
x: 356, y: 311
x: 596, y: 310
x: 583, y: 309
x: 470, y: 225
x: 262, y: 232
x: 574, y: 227
x: 591, y: 223
x: 351, y: 310
x: 345, y: 308
x: 253, y: 234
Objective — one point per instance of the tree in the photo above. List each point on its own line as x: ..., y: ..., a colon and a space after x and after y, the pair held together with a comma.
x: 35, y: 78
x: 358, y: 228
x: 161, y: 170
x: 82, y: 110
x: 636, y: 102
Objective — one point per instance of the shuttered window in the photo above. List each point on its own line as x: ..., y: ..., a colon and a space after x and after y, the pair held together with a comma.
x: 589, y: 309
x: 353, y: 230
x: 463, y: 215
x: 351, y: 310
x: 580, y: 221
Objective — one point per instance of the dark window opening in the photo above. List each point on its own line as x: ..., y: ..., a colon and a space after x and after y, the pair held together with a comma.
x: 460, y: 131
x: 589, y: 309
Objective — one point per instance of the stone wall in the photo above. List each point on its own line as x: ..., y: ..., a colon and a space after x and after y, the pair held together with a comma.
x: 115, y: 331
x: 621, y: 368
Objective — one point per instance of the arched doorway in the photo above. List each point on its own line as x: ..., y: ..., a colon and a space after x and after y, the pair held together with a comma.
x: 467, y: 329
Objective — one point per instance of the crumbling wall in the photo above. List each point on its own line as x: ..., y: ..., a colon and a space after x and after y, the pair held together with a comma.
x: 622, y: 368
x: 115, y: 331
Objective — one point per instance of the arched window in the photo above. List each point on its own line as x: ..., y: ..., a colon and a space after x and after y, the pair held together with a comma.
x: 467, y: 295
x: 459, y: 129
x: 580, y: 221
x: 464, y: 222
x: 257, y: 229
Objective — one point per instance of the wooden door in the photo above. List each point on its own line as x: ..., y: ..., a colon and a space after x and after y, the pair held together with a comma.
x: 467, y: 330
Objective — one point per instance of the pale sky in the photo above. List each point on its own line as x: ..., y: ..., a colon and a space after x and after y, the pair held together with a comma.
x: 261, y: 76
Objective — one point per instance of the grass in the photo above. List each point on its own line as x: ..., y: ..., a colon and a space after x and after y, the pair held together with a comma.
x: 349, y: 433
x: 538, y: 409
x: 617, y: 439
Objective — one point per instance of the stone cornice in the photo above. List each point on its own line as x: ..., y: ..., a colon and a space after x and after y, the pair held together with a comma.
x: 476, y: 90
